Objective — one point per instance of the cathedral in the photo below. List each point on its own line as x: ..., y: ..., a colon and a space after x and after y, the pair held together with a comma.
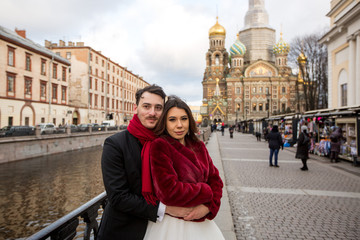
x: 253, y: 79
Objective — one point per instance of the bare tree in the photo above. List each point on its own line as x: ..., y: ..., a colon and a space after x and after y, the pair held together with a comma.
x: 315, y: 72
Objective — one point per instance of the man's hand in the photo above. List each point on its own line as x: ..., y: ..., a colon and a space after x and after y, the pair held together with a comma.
x: 178, y: 211
x: 198, y: 212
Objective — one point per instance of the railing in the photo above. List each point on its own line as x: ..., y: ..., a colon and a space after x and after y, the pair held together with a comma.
x: 65, y: 227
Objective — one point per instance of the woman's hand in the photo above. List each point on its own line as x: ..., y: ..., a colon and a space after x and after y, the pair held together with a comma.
x: 197, y: 213
x: 178, y: 211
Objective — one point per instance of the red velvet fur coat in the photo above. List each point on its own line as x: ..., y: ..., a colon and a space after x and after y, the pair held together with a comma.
x: 185, y: 176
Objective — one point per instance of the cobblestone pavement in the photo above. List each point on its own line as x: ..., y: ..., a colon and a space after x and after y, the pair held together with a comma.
x: 285, y: 202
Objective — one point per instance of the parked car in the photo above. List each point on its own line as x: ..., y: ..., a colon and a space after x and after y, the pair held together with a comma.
x: 17, y: 131
x: 47, y: 128
x: 97, y: 127
x: 83, y: 127
x: 74, y: 128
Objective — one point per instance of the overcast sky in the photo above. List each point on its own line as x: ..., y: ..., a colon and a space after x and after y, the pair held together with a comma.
x: 164, y: 41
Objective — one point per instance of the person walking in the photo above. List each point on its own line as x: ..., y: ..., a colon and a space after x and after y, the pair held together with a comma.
x: 275, y: 142
x: 222, y: 128
x: 302, y: 151
x: 127, y: 213
x: 231, y: 131
x: 335, y: 144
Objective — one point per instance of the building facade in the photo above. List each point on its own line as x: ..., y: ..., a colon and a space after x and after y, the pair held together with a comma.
x: 34, y: 82
x: 254, y: 80
x: 343, y: 42
x: 100, y: 89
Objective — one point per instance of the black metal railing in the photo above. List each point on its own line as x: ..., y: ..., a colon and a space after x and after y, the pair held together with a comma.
x: 66, y: 227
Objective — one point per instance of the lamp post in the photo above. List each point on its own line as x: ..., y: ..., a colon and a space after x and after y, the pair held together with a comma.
x: 268, y: 104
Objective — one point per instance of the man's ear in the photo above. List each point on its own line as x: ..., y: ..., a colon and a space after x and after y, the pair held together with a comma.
x: 135, y: 108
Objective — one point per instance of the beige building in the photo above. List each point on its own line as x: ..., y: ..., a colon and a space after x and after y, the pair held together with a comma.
x: 100, y: 89
x: 254, y: 81
x: 34, y: 82
x: 343, y: 42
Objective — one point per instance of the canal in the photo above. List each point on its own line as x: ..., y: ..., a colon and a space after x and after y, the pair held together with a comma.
x: 36, y: 192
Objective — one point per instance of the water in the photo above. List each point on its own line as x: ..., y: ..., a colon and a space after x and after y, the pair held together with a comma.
x: 36, y: 192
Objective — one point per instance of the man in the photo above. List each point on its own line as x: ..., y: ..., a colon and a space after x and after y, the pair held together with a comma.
x: 127, y: 213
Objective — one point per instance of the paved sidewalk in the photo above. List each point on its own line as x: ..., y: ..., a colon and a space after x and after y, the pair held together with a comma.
x: 224, y: 217
x: 285, y: 202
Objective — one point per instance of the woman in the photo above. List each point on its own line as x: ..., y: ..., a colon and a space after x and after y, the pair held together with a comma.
x: 183, y: 175
x: 302, y: 151
x: 335, y: 144
x: 275, y: 142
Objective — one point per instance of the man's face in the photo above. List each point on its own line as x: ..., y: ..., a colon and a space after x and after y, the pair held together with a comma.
x: 149, y: 109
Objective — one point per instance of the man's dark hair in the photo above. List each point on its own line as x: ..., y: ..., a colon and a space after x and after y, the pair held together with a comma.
x: 155, y: 89
x: 174, y: 101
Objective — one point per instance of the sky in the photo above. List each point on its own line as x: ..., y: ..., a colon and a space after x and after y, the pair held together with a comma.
x: 164, y: 41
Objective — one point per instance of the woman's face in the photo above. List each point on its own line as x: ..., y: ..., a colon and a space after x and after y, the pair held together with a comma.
x: 177, y: 124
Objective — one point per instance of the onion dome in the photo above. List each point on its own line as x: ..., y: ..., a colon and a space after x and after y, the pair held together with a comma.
x: 302, y: 58
x: 217, y: 29
x: 238, y: 48
x: 281, y: 47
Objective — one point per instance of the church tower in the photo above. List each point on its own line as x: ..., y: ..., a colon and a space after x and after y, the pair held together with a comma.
x: 257, y: 35
x: 214, y: 85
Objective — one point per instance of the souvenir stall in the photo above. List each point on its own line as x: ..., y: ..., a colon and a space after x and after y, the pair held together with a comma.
x: 290, y: 125
x: 348, y: 120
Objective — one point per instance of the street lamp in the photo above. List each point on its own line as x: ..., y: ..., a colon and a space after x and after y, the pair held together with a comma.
x: 268, y: 104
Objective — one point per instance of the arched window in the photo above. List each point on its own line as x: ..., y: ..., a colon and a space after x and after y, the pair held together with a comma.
x: 217, y: 60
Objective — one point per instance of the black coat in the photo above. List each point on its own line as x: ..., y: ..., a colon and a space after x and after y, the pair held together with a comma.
x: 302, y: 151
x: 127, y: 213
x: 275, y: 140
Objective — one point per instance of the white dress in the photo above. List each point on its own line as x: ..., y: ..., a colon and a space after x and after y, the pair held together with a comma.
x: 171, y: 228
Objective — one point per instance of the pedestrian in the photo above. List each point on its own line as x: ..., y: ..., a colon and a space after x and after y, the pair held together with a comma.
x: 127, y: 213
x: 335, y: 144
x: 182, y: 174
x: 231, y: 131
x: 266, y: 132
x: 222, y: 128
x: 258, y: 136
x: 302, y: 151
x: 275, y: 143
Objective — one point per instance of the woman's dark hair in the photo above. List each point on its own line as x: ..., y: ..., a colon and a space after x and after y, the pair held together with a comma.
x: 155, y: 89
x: 174, y: 101
x: 275, y: 128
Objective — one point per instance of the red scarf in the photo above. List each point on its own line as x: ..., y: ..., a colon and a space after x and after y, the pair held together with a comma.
x: 145, y: 136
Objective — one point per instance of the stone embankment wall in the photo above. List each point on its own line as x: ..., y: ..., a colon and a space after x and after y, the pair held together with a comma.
x: 19, y: 148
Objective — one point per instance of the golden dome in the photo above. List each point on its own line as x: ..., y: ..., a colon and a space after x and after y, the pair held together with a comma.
x: 302, y: 58
x: 217, y: 29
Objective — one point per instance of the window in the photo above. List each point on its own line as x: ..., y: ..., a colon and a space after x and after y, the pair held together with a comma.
x: 267, y: 106
x: 102, y: 74
x: 42, y: 89
x: 10, y: 83
x: 10, y: 121
x: 96, y: 100
x: 113, y: 103
x: 68, y: 55
x: 254, y: 89
x: 283, y: 90
x: 260, y: 89
x: 260, y: 107
x: 102, y: 63
x: 28, y: 62
x: 54, y: 121
x: 267, y: 90
x: 54, y: 92
x: 64, y: 74
x: 96, y: 59
x: 63, y: 93
x: 90, y: 82
x: 254, y: 107
x: 283, y: 107
x: 54, y: 70
x: 107, y: 90
x: 28, y: 83
x: 42, y: 120
x: 11, y: 56
x: 43, y: 67
x: 102, y: 101
x: 90, y: 99
x: 90, y: 57
x: 107, y: 103
x: 96, y: 84
x: 343, y: 89
x: 102, y: 86
x: 237, y: 90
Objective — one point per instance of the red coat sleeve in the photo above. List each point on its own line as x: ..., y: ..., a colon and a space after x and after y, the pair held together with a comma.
x: 167, y: 186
